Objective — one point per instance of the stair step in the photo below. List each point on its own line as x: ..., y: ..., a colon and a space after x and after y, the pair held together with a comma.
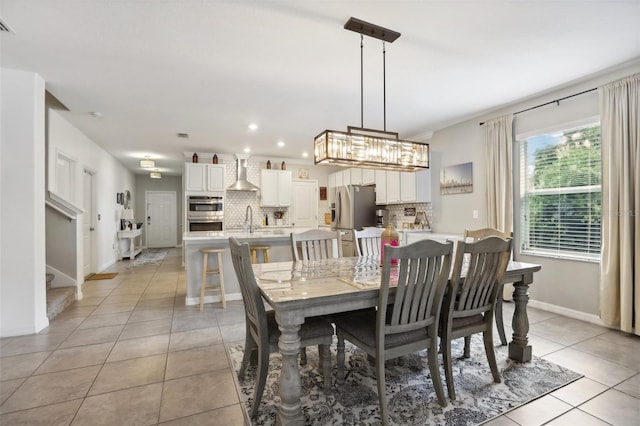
x: 58, y: 299
x: 50, y: 278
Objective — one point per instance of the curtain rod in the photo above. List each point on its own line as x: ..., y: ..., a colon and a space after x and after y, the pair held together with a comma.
x: 556, y: 101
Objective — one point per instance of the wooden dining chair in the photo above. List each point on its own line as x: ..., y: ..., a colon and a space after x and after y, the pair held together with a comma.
x: 406, y: 320
x: 316, y: 244
x: 470, y: 299
x: 475, y: 235
x: 368, y: 241
x: 262, y: 331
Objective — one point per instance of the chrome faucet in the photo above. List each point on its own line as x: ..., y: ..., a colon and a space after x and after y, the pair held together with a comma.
x: 248, y: 217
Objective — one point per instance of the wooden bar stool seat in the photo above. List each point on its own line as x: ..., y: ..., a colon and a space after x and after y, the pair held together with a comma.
x: 206, y: 271
x: 265, y: 253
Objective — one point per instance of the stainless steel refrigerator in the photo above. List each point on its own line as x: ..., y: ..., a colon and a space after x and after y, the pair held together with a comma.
x: 355, y: 208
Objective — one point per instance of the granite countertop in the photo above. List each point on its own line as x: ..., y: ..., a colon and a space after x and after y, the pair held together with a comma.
x: 258, y: 233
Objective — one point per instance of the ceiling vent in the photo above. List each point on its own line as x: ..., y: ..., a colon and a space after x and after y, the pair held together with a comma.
x: 4, y: 28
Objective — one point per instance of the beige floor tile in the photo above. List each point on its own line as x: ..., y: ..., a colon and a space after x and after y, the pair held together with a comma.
x: 33, y: 343
x: 196, y: 394
x: 75, y: 357
x: 137, y: 348
x: 129, y: 290
x: 615, y: 346
x: 614, y: 407
x: 566, y: 331
x: 76, y: 311
x: 539, y: 411
x: 63, y: 325
x: 121, y: 298
x: 576, y: 417
x: 500, y: 421
x: 196, y: 361
x: 90, y: 336
x: 598, y: 369
x: 7, y: 387
x: 59, y: 414
x: 150, y: 294
x: 114, y: 308
x: 132, y: 407
x: 89, y: 301
x: 226, y: 416
x: 95, y: 321
x: 195, y: 338
x: 192, y: 322
x: 230, y: 316
x: 147, y: 328
x: 166, y: 303
x: 150, y: 315
x: 631, y: 386
x: 14, y: 367
x: 233, y: 333
x: 130, y: 373
x: 579, y: 391
x: 51, y: 388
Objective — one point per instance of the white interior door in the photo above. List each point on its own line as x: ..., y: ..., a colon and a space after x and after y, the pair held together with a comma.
x: 304, y: 209
x: 87, y: 224
x: 161, y: 223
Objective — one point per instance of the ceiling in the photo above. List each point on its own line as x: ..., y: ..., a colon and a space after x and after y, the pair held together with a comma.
x: 152, y: 69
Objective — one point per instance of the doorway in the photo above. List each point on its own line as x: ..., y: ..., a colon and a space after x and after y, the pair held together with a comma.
x: 87, y: 223
x: 161, y: 214
x: 304, y: 212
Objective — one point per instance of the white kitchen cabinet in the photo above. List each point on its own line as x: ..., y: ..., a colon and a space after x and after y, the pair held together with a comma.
x: 276, y: 187
x: 415, y: 187
x: 355, y: 176
x: 331, y: 185
x: 381, y: 186
x: 201, y: 177
x: 339, y: 178
x: 346, y: 177
x: 368, y: 177
x: 393, y: 187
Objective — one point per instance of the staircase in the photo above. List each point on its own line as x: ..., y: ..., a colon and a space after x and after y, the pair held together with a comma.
x: 58, y: 298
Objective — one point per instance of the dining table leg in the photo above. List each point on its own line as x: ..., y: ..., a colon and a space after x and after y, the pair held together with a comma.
x: 290, y: 410
x: 519, y: 348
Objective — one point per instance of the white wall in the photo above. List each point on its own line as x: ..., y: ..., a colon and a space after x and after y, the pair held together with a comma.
x: 110, y: 178
x: 22, y: 218
x: 566, y: 286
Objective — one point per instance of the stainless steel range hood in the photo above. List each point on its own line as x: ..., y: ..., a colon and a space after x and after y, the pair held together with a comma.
x: 241, y: 183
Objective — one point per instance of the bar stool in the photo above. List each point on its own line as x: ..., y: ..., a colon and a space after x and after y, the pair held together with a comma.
x: 206, y: 271
x: 254, y: 253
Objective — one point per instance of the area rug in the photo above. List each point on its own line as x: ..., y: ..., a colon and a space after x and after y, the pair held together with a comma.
x: 150, y: 257
x: 410, y: 394
x: 95, y: 277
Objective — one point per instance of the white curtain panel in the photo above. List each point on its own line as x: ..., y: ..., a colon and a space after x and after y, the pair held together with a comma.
x: 620, y: 264
x: 498, y: 146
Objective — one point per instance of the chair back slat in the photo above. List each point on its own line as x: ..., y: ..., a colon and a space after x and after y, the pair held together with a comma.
x: 368, y: 241
x: 253, y: 305
x: 316, y: 244
x: 482, y: 265
x: 422, y: 273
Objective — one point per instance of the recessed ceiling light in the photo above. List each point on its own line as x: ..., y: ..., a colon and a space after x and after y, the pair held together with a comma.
x: 147, y: 163
x: 155, y: 175
x: 305, y: 154
x: 280, y: 144
x: 183, y: 135
x: 253, y: 126
x: 247, y: 150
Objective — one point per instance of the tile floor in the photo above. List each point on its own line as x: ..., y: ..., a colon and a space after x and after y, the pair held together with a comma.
x: 131, y: 353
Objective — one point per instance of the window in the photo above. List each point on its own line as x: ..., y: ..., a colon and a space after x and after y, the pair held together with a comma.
x: 560, y: 206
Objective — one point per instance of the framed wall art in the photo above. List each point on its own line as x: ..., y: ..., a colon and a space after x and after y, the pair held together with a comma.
x: 456, y: 179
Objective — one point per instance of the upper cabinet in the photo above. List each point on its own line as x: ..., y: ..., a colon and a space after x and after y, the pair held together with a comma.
x: 201, y: 177
x: 403, y: 187
x: 276, y: 188
x: 368, y: 176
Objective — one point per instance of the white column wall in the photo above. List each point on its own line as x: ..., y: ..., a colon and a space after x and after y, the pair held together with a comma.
x: 23, y: 302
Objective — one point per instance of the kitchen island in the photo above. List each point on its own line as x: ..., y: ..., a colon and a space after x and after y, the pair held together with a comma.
x: 277, y: 238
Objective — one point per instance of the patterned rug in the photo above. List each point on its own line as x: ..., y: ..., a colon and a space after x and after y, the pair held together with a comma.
x: 410, y: 394
x: 150, y: 257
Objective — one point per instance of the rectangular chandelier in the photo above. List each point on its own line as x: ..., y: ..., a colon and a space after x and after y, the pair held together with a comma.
x: 369, y: 149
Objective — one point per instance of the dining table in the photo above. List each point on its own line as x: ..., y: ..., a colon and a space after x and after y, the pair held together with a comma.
x: 300, y: 289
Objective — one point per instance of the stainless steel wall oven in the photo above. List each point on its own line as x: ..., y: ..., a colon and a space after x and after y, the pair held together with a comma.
x: 205, y: 213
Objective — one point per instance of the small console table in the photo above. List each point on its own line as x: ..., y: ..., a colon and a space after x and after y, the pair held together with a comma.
x: 134, y: 246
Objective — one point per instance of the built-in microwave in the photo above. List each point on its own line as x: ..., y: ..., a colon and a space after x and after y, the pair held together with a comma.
x: 204, y: 225
x: 204, y: 213
x: 204, y: 204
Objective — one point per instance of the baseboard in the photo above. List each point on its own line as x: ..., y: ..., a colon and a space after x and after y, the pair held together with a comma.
x: 60, y: 279
x: 571, y: 313
x: 190, y: 301
x: 41, y: 324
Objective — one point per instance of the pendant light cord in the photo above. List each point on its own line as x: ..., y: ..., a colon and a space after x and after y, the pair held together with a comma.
x: 361, y: 82
x: 384, y: 86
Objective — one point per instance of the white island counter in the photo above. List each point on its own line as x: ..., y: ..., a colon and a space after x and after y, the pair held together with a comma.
x: 277, y: 238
